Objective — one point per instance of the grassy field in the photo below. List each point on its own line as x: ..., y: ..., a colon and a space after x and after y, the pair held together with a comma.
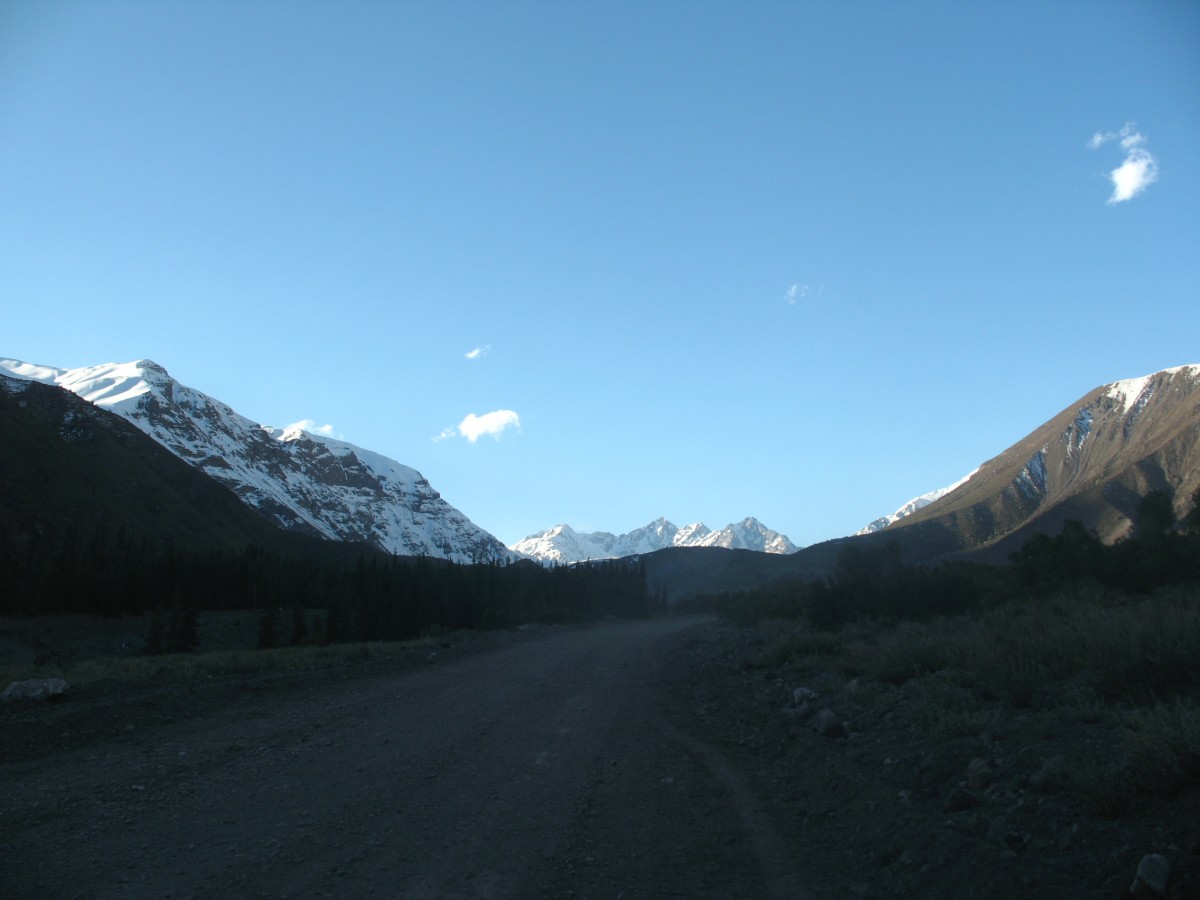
x: 88, y: 649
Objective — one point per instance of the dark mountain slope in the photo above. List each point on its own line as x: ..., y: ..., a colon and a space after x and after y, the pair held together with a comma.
x: 67, y: 465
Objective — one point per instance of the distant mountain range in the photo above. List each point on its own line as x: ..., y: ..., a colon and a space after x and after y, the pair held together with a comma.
x: 75, y: 446
x: 301, y: 482
x: 562, y: 544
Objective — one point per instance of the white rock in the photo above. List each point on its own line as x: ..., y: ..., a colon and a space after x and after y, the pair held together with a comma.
x: 802, y: 695
x: 34, y: 689
x: 1153, y: 872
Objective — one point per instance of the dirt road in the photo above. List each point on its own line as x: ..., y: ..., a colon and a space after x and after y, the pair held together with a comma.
x: 552, y: 767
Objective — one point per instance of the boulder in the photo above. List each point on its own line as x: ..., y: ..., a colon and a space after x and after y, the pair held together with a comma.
x: 34, y: 689
x: 1153, y: 872
x: 961, y: 799
x: 828, y: 724
x: 802, y: 695
x: 978, y: 776
x: 1052, y: 776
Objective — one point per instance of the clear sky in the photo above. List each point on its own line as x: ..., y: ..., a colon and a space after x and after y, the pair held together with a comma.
x: 600, y: 262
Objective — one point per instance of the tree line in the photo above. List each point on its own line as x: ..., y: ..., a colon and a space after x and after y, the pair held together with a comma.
x: 361, y: 593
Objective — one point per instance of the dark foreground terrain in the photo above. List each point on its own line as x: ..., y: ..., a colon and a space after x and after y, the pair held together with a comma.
x: 631, y: 759
x: 541, y: 768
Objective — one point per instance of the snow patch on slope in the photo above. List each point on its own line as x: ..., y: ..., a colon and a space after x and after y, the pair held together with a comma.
x: 1133, y: 393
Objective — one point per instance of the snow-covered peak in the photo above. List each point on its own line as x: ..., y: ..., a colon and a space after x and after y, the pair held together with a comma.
x: 562, y: 544
x: 108, y: 385
x: 748, y: 534
x: 1130, y: 392
x: 691, y: 534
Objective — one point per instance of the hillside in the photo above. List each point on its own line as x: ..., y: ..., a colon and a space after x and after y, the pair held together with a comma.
x: 1092, y: 463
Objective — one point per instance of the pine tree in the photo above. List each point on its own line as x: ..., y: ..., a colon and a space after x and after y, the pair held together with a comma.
x: 267, y: 637
x: 299, y: 628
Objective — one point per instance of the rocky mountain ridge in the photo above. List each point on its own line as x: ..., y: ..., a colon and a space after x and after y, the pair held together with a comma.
x: 302, y: 482
x: 562, y: 544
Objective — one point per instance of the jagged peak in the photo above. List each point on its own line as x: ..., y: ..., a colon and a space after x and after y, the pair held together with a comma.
x: 563, y: 544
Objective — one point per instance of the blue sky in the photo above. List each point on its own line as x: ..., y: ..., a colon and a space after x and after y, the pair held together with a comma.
x: 600, y: 262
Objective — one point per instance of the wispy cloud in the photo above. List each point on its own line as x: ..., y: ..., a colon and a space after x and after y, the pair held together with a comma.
x: 478, y: 352
x: 474, y: 427
x: 1137, y: 172
x: 799, y: 291
x: 311, y: 427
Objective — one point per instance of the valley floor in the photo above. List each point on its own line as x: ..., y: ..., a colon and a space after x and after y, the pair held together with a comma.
x: 628, y: 759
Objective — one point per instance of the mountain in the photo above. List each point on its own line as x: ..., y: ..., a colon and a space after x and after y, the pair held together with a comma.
x: 911, y: 507
x: 562, y: 544
x: 1092, y: 462
x: 299, y: 481
x: 68, y: 466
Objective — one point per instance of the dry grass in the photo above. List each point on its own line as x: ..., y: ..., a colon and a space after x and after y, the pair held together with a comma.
x: 186, y: 667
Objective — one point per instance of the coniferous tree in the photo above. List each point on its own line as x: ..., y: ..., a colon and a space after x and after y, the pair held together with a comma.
x: 267, y: 637
x: 299, y: 627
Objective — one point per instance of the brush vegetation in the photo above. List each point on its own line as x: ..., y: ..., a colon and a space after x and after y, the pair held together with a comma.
x: 1076, y: 637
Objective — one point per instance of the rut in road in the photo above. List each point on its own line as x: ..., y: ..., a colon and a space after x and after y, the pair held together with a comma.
x: 537, y: 769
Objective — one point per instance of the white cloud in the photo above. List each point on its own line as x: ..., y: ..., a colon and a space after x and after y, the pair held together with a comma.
x: 800, y: 291
x: 1137, y: 172
x: 478, y: 352
x: 311, y: 427
x: 1133, y: 176
x: 474, y: 427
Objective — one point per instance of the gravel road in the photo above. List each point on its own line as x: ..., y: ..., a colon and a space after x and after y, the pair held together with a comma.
x: 552, y: 767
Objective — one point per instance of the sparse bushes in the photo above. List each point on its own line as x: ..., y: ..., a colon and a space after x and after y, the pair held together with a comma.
x: 868, y: 582
x: 1092, y: 657
x: 1156, y: 753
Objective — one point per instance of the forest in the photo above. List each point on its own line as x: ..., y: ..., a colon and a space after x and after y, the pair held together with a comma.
x: 358, y: 593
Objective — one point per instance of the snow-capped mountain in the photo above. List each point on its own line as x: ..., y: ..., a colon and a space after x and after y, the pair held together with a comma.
x: 301, y: 481
x: 562, y: 544
x: 912, y: 506
x: 1092, y: 462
